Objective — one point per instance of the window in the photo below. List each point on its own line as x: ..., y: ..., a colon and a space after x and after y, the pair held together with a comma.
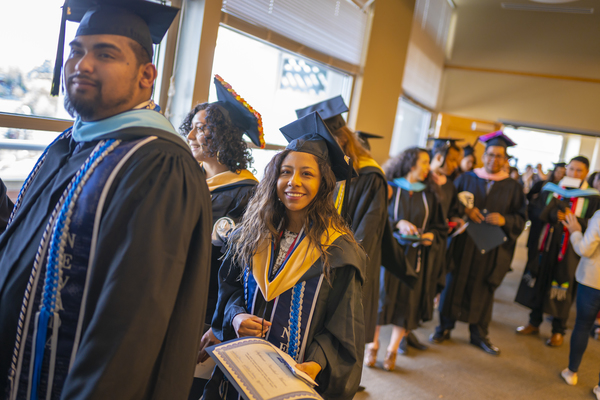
x: 275, y: 82
x: 411, y: 127
x: 529, y: 151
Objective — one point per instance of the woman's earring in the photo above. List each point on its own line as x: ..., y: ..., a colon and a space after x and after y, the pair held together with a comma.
x: 219, y: 161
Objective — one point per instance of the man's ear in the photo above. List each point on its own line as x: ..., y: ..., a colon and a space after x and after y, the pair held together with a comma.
x: 147, y: 76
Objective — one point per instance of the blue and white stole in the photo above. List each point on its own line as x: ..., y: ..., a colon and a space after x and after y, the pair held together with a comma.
x: 293, y: 308
x: 50, y: 322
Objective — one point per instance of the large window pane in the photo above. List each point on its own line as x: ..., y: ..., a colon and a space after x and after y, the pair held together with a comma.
x: 273, y: 81
x: 529, y: 151
x: 410, y: 128
x: 28, y: 51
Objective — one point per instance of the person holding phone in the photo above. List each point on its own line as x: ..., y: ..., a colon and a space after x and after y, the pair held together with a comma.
x: 588, y: 292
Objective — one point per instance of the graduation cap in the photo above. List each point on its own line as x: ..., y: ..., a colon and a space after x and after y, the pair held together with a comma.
x: 142, y: 21
x: 560, y: 164
x: 240, y: 112
x: 441, y: 142
x: 364, y: 138
x: 497, y: 138
x: 330, y: 110
x: 309, y: 134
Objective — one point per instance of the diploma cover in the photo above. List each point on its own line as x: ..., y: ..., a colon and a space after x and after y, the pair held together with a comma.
x: 260, y: 371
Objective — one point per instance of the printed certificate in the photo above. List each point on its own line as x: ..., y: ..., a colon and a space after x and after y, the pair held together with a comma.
x: 260, y: 371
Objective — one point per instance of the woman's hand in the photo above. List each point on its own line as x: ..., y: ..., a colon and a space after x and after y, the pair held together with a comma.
x: 571, y: 223
x: 406, y: 228
x: 427, y: 239
x: 250, y: 325
x: 310, y: 368
x: 208, y: 339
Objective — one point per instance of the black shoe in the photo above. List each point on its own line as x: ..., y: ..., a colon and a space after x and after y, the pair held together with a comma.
x: 439, y: 337
x: 403, y: 348
x: 486, y: 345
x: 414, y: 342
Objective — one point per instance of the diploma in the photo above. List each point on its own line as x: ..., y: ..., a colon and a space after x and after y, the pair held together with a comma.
x: 260, y: 371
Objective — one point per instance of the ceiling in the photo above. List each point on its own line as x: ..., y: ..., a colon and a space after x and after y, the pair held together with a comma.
x: 488, y: 36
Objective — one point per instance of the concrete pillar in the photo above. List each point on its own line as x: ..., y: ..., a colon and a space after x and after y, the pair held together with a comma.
x: 379, y: 87
x: 194, y: 59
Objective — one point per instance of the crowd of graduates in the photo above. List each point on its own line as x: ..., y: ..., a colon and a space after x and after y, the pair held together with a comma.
x: 131, y: 253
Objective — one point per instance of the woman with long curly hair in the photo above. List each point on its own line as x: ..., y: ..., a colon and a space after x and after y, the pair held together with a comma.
x: 293, y: 254
x: 215, y: 134
x: 416, y: 213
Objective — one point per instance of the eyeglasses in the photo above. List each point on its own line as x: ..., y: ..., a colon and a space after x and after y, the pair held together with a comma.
x: 494, y: 155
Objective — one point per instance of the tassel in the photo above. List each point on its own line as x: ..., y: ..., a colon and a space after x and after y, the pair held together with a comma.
x: 55, y: 90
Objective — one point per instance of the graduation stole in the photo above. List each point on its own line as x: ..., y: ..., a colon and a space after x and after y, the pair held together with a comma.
x: 295, y: 300
x: 228, y: 178
x: 365, y: 161
x: 54, y: 302
x: 405, y: 183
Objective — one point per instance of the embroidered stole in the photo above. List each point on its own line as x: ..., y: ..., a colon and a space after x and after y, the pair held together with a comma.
x: 294, y: 299
x: 50, y: 323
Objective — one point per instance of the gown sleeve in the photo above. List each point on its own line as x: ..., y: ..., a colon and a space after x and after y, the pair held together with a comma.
x: 338, y: 345
x: 231, y: 301
x: 148, y: 283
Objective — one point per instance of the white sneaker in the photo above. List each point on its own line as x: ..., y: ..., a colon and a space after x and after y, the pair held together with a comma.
x: 571, y: 378
x: 596, y: 391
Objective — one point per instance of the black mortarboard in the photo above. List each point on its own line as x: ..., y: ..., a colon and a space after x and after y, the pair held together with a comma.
x: 142, y: 21
x: 497, y: 138
x: 364, y: 138
x: 330, y: 110
x: 240, y: 112
x: 559, y: 164
x: 441, y: 142
x: 468, y: 150
x: 309, y: 134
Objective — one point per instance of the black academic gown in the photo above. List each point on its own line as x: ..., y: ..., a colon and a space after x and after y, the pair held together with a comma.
x: 336, y: 334
x: 147, y: 289
x: 534, y: 208
x: 6, y: 206
x: 229, y: 200
x: 401, y: 304
x: 452, y: 207
x: 470, y: 285
x: 367, y: 207
x: 546, y: 268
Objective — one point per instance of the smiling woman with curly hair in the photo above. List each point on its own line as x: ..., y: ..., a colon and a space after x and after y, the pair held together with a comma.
x: 216, y: 142
x: 215, y: 134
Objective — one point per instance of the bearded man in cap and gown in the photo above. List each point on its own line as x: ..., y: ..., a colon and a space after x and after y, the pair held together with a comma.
x: 492, y: 200
x: 104, y: 263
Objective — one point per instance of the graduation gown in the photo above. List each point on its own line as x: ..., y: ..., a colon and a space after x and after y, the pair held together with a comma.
x: 367, y: 207
x: 149, y: 277
x: 548, y: 281
x: 452, y: 207
x: 534, y: 208
x: 470, y: 285
x: 401, y: 304
x: 6, y: 206
x: 335, y: 337
x: 230, y: 193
